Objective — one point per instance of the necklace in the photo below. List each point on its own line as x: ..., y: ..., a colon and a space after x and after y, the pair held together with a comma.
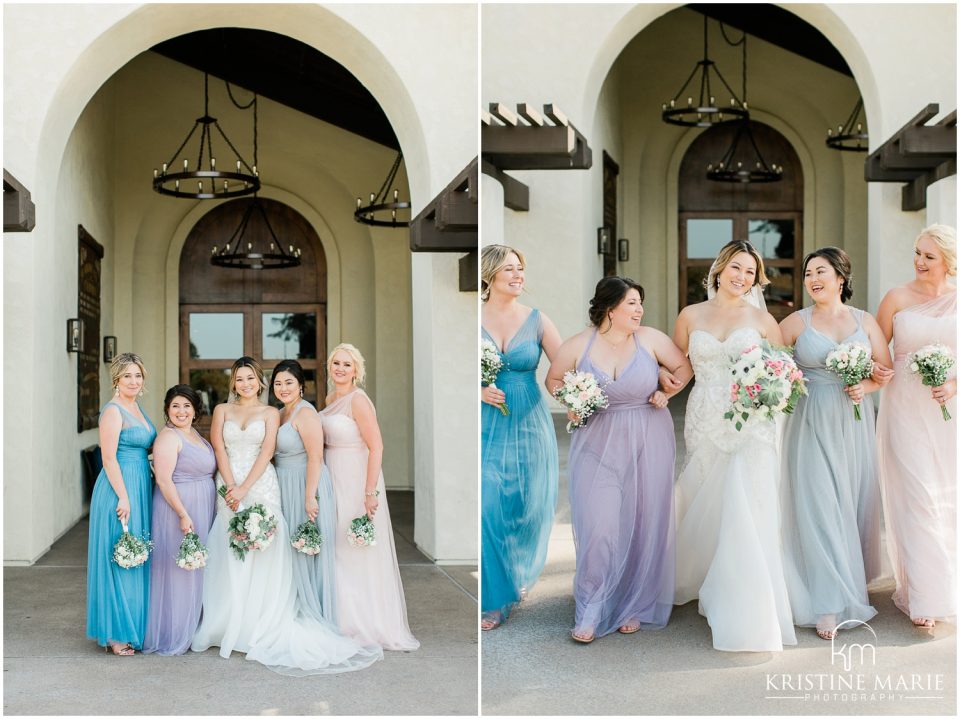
x: 615, y: 345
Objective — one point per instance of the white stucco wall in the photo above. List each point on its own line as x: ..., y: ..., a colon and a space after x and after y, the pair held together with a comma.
x: 397, y: 53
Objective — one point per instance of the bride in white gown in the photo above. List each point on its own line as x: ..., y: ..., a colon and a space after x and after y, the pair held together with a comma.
x: 250, y: 605
x: 728, y: 517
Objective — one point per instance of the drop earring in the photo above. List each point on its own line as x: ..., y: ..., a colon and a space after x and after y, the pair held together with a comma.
x: 116, y: 391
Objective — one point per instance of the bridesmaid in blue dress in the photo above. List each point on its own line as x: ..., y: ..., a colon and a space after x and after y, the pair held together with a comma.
x: 117, y: 597
x: 519, y: 463
x: 306, y: 491
x: 829, y: 491
x: 621, y: 467
x: 183, y: 501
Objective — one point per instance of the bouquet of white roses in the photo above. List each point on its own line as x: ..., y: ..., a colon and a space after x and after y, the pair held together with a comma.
x: 131, y: 551
x: 766, y: 382
x: 851, y: 362
x: 931, y: 362
x: 192, y: 554
x: 362, y: 532
x: 307, y: 539
x: 581, y: 394
x: 490, y: 365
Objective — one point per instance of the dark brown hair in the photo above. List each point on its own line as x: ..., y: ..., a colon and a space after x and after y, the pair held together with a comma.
x: 840, y: 262
x: 609, y: 293
x: 189, y: 394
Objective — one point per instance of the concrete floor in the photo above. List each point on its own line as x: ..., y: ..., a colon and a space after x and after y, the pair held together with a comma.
x: 532, y: 667
x: 50, y: 668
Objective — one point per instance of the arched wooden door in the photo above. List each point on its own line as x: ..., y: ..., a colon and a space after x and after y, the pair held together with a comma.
x: 770, y: 215
x: 266, y: 314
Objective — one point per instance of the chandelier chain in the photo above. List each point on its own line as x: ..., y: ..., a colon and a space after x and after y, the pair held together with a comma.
x: 385, y: 187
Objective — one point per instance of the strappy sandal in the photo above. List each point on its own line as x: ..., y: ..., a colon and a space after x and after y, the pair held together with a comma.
x: 490, y: 620
x: 924, y: 623
x: 119, y: 650
x: 827, y: 634
x: 579, y: 636
x: 629, y: 628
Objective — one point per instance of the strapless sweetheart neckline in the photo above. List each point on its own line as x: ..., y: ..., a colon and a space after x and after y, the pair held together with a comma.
x: 245, y: 428
x: 727, y: 338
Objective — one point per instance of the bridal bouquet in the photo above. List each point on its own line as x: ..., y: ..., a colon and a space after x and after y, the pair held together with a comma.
x: 931, y: 362
x: 192, y: 554
x: 851, y: 362
x: 766, y: 382
x: 490, y: 365
x: 307, y: 539
x: 131, y: 551
x: 581, y: 394
x: 362, y: 532
x: 251, y: 529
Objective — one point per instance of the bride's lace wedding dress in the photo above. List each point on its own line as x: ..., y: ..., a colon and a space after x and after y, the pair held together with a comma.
x: 250, y: 605
x: 728, y: 516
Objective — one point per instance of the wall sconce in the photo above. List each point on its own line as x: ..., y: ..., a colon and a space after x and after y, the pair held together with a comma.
x: 74, y: 335
x: 623, y: 250
x: 109, y: 348
x: 603, y: 240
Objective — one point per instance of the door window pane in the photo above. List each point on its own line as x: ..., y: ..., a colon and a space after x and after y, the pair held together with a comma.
x: 289, y: 335
x: 216, y: 335
x: 705, y: 237
x: 696, y: 291
x: 772, y: 238
x: 779, y: 293
x: 213, y: 386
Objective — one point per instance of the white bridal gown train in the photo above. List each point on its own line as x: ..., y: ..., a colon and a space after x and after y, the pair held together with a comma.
x: 728, y: 511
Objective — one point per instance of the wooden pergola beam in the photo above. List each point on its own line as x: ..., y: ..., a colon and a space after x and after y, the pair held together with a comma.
x: 19, y: 212
x: 449, y: 221
x: 917, y: 154
x: 514, y: 145
x: 516, y: 195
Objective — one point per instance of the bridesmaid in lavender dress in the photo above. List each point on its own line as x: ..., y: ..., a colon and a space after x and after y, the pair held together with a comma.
x: 183, y: 501
x: 916, y: 448
x: 621, y: 467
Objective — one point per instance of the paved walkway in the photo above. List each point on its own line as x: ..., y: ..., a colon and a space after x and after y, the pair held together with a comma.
x: 532, y: 667
x: 50, y: 668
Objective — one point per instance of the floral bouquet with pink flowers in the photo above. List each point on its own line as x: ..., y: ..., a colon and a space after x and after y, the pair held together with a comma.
x: 851, y: 362
x: 490, y: 365
x: 581, y: 394
x: 251, y: 530
x: 766, y: 382
x: 130, y: 550
x: 362, y: 532
x: 307, y: 539
x: 192, y: 554
x: 931, y: 363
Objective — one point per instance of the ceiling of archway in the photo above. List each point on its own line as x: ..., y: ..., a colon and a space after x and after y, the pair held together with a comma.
x: 779, y: 27
x: 286, y: 71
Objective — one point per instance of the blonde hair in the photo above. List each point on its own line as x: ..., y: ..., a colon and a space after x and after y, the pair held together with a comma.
x: 493, y: 258
x: 726, y: 254
x: 252, y: 364
x: 360, y: 371
x: 944, y: 237
x: 121, y: 362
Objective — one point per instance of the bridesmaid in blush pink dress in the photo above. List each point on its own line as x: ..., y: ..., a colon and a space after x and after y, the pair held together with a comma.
x: 916, y: 448
x: 370, y: 604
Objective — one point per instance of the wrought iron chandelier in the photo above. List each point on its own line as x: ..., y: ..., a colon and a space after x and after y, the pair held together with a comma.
x: 243, y: 250
x: 206, y: 182
x: 743, y: 166
x: 705, y: 112
x: 369, y: 214
x: 850, y: 136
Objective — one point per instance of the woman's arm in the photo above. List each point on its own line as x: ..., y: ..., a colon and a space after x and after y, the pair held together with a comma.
x: 219, y: 450
x: 889, y: 306
x: 272, y: 421
x: 366, y: 419
x: 669, y: 356
x: 111, y: 422
x: 564, y: 360
x: 880, y: 352
x: 791, y: 328
x: 771, y: 330
x: 308, y: 424
x: 551, y: 340
x: 165, y: 451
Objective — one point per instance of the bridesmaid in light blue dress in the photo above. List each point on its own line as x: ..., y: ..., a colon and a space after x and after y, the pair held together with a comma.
x: 830, y: 493
x: 519, y: 463
x: 117, y: 597
x: 296, y: 460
